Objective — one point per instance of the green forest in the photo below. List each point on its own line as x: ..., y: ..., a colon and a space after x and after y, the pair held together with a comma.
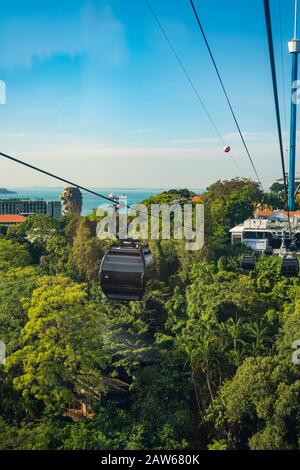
x: 204, y: 363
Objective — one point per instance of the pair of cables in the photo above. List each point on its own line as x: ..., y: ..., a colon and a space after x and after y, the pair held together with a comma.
x: 161, y: 27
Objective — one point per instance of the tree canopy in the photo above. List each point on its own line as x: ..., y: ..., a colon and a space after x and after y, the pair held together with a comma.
x: 204, y: 363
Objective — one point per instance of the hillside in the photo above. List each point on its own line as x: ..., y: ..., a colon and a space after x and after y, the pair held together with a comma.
x: 207, y: 366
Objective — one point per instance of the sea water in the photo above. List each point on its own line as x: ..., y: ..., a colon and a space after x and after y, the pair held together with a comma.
x: 89, y: 201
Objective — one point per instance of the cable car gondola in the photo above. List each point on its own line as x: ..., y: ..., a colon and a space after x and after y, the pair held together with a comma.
x: 293, y: 247
x: 290, y: 267
x: 248, y: 263
x: 127, y: 271
x: 269, y: 251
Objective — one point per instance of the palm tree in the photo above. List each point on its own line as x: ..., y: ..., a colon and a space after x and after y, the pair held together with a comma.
x: 259, y: 332
x: 236, y: 331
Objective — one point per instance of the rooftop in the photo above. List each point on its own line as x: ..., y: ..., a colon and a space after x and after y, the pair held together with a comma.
x: 197, y: 198
x: 11, y: 218
x: 276, y: 213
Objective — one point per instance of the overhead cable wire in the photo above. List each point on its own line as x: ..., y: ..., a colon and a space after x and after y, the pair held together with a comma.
x: 235, y: 165
x: 275, y: 89
x: 283, y: 77
x: 224, y: 90
x: 193, y: 86
x: 52, y: 175
x: 185, y: 71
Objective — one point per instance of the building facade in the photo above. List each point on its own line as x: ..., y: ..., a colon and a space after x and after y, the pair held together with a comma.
x: 54, y: 209
x: 26, y: 207
x: 273, y: 229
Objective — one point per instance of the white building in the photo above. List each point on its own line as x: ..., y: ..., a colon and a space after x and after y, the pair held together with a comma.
x: 268, y: 228
x: 54, y: 209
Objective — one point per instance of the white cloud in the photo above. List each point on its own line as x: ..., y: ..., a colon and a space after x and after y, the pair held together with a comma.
x: 95, y: 162
x: 95, y: 33
x: 195, y: 140
x: 251, y: 136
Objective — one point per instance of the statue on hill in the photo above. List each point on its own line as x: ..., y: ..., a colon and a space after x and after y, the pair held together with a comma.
x: 72, y: 200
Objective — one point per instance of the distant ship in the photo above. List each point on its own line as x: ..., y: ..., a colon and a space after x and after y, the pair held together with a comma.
x: 121, y: 198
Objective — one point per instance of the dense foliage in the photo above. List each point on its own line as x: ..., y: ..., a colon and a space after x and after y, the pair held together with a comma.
x: 205, y: 362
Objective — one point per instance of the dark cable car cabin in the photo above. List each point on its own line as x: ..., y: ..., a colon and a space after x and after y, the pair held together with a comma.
x: 293, y: 247
x: 127, y: 271
x: 269, y: 251
x: 248, y: 263
x: 290, y: 267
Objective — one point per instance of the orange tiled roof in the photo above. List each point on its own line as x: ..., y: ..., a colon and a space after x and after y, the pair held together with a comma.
x: 197, y: 199
x: 267, y: 213
x: 263, y: 213
x: 11, y: 218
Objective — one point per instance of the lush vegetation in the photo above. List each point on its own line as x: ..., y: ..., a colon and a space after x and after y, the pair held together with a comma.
x: 206, y: 362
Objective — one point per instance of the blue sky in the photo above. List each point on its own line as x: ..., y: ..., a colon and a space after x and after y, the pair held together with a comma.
x: 95, y: 94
